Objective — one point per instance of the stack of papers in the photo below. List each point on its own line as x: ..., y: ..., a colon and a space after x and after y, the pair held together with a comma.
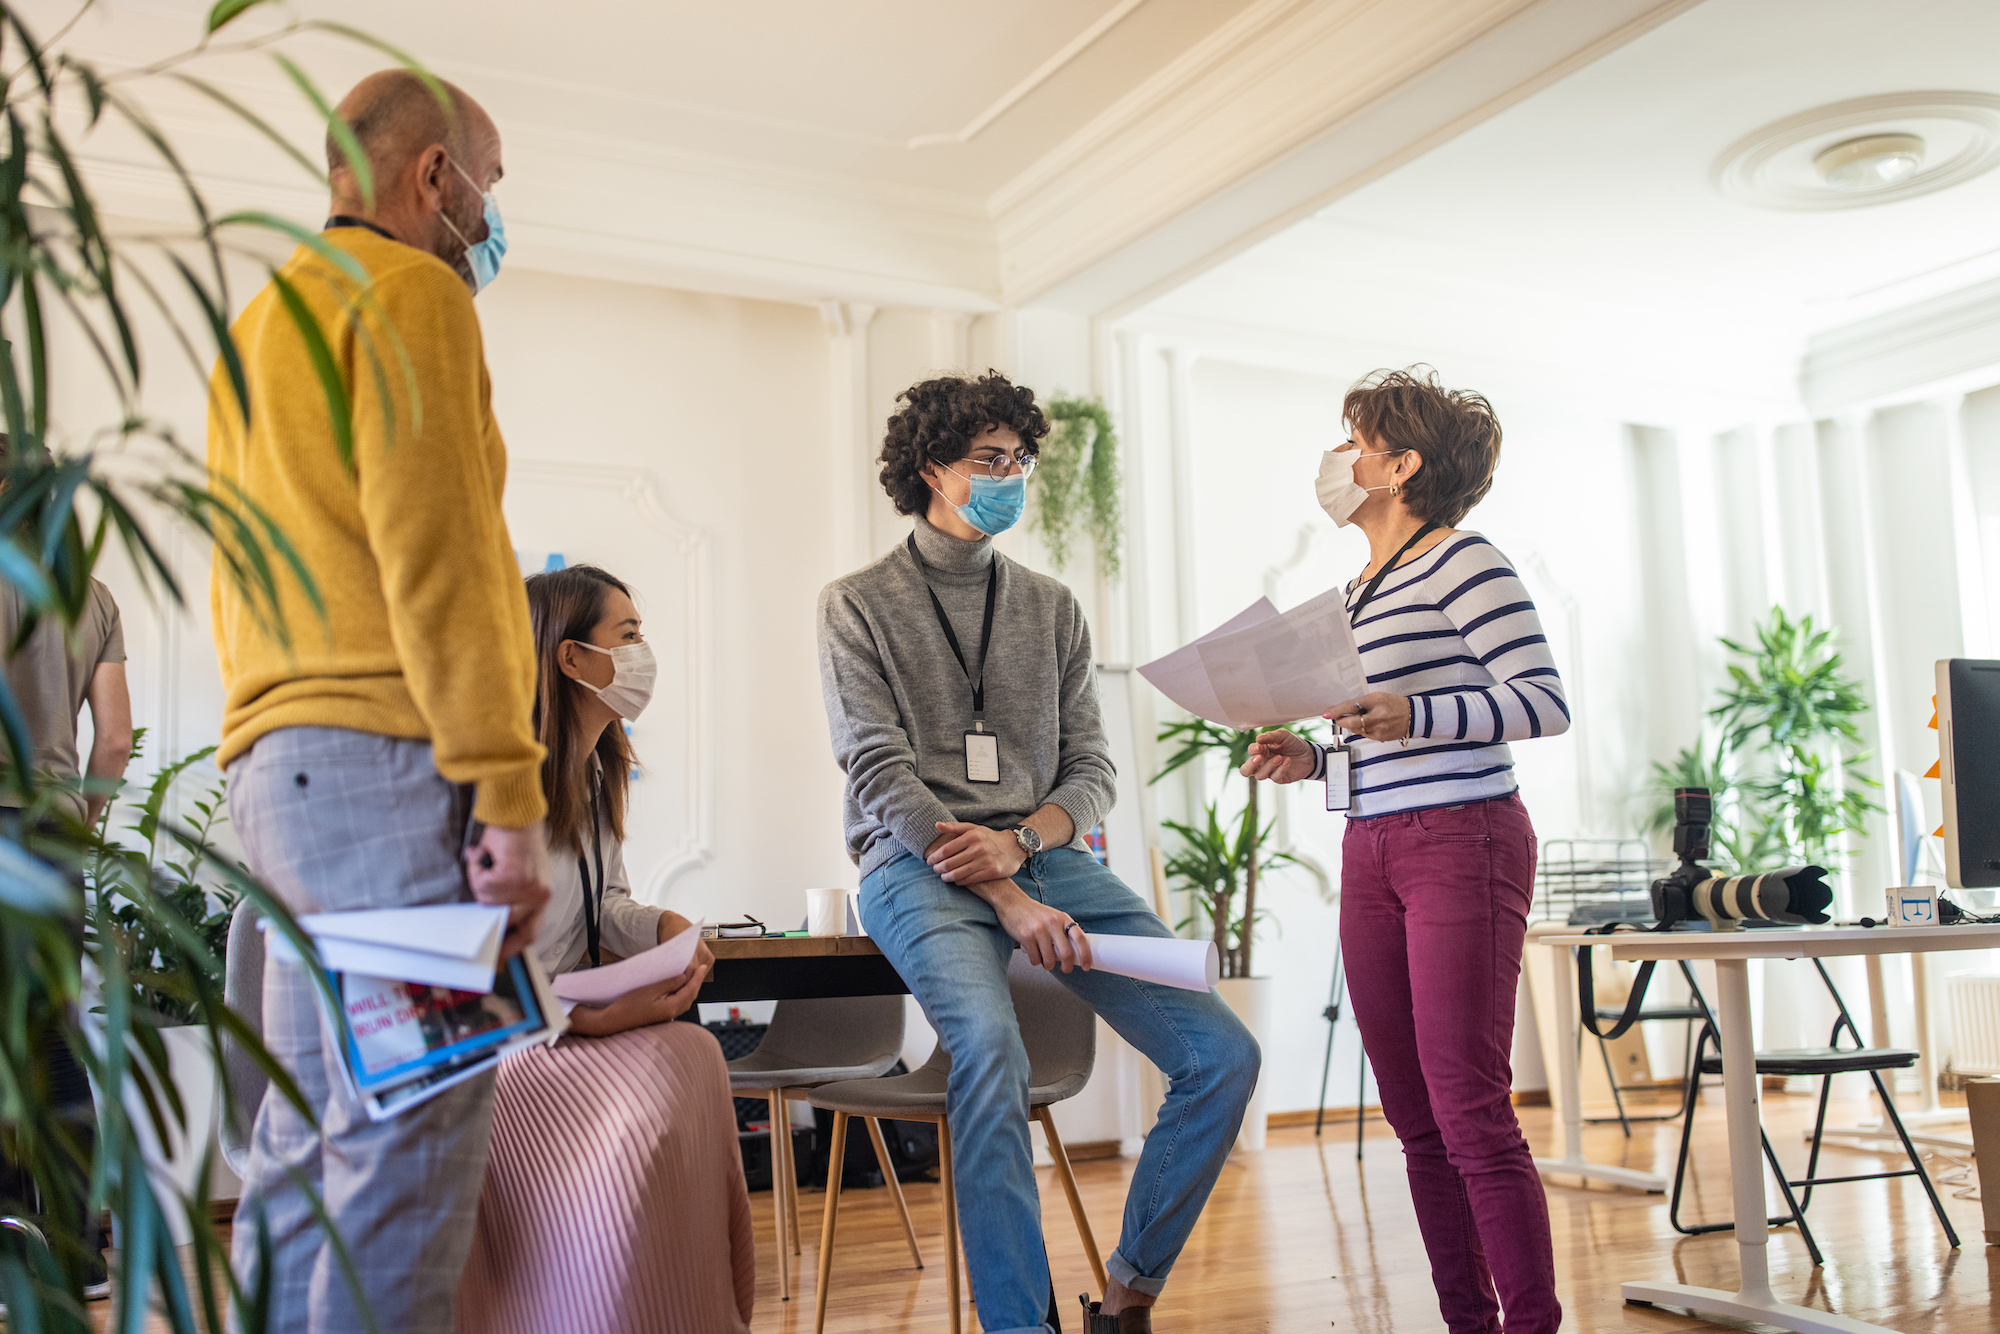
x: 1262, y: 668
x: 601, y: 986
x: 414, y: 1019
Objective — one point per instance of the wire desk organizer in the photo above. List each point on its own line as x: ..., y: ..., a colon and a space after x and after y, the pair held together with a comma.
x: 1585, y: 881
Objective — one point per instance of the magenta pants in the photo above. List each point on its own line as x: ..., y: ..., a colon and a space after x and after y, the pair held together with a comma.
x: 1433, y: 912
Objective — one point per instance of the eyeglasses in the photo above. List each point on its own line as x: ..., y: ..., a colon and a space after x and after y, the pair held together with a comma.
x: 1001, y: 466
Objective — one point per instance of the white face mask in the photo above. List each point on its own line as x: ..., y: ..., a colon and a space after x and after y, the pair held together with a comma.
x: 632, y: 673
x: 1339, y: 494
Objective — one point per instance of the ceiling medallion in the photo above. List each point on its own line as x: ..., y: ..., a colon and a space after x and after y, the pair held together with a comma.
x: 1774, y: 167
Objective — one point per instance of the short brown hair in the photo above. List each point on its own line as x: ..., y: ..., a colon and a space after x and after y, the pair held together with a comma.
x: 1453, y: 429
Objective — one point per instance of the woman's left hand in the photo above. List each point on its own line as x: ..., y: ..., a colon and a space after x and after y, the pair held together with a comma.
x: 1377, y: 715
x: 656, y: 1003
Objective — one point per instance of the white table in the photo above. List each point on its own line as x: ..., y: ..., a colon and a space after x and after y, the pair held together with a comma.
x: 1731, y: 952
x: 1568, y: 1086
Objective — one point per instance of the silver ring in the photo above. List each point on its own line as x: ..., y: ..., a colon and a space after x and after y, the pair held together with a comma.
x: 1072, y: 926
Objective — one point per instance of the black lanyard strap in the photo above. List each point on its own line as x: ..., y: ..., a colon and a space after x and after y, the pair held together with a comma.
x: 1354, y: 613
x: 951, y: 636
x: 593, y: 896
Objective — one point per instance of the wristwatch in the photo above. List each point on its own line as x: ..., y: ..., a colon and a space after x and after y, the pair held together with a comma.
x: 1030, y: 841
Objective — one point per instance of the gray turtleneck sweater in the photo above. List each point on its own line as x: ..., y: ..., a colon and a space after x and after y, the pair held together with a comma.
x: 899, y: 705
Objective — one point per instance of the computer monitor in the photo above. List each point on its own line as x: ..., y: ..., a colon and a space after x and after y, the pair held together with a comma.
x: 1968, y: 695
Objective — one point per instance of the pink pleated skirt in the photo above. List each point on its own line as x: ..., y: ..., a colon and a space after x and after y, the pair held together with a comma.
x: 614, y: 1202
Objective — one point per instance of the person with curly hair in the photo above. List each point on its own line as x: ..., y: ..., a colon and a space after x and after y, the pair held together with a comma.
x: 963, y: 704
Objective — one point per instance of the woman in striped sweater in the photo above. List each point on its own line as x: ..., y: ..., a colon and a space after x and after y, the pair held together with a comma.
x: 1438, y: 863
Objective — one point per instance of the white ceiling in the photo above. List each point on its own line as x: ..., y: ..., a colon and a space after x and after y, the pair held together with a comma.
x: 1580, y: 227
x: 764, y: 149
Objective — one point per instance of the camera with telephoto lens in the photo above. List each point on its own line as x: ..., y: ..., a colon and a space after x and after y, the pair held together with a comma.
x: 1794, y: 895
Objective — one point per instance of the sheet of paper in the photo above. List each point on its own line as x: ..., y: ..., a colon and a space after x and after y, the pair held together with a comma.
x: 601, y: 986
x: 1191, y: 965
x: 459, y: 943
x: 1264, y: 667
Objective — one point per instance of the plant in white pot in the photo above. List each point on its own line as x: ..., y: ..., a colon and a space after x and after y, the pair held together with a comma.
x: 1222, y: 864
x: 188, y: 898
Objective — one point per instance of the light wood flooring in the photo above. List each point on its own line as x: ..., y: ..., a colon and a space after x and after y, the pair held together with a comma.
x: 1303, y: 1238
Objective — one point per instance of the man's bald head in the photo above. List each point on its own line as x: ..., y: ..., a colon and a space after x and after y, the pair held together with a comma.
x: 396, y: 116
x: 431, y: 159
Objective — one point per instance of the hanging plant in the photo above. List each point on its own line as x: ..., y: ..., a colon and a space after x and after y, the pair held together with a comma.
x: 1077, y: 482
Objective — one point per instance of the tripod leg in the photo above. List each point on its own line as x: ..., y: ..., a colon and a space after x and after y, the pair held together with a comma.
x: 1360, y: 1102
x: 1325, y: 1073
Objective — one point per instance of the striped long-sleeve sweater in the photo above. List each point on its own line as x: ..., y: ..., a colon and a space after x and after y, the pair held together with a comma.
x: 1455, y: 630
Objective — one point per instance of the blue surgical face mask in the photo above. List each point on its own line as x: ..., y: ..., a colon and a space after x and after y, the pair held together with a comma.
x: 483, y: 258
x: 995, y: 504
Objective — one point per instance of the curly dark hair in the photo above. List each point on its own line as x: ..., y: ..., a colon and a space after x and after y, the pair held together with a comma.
x: 1453, y: 430
x: 936, y: 422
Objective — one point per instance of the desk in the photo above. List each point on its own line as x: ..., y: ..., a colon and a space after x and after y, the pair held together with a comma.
x: 798, y: 968
x: 1731, y: 952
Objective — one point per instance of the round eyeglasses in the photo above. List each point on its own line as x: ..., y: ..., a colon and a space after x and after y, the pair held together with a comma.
x: 1001, y: 466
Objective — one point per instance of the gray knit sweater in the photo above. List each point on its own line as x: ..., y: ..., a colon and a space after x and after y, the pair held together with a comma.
x: 899, y: 705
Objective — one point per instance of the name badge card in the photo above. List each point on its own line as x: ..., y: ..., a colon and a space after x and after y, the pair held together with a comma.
x: 982, y: 757
x: 1339, y: 778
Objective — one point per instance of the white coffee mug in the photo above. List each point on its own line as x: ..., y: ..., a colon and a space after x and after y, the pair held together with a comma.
x: 1913, y: 905
x: 826, y: 912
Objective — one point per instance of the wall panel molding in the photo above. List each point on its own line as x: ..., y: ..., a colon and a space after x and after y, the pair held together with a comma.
x: 1948, y: 343
x: 574, y: 512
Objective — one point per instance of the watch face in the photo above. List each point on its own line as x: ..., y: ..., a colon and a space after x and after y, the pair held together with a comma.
x: 1029, y: 839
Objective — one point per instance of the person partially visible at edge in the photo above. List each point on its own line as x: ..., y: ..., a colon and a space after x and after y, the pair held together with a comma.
x: 1438, y: 864
x: 53, y: 677
x: 384, y: 756
x: 969, y: 848
x: 653, y: 1219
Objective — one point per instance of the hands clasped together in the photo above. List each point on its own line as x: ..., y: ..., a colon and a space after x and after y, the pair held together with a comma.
x: 984, y: 861
x: 1285, y: 757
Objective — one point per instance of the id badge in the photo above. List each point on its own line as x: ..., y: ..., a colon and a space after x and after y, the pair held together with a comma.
x: 982, y: 757
x: 1339, y: 778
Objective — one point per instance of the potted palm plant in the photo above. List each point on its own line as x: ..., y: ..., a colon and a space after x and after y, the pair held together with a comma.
x: 69, y: 490
x: 1222, y: 864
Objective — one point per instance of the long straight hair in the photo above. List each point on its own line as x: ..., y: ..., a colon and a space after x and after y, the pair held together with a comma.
x: 567, y: 604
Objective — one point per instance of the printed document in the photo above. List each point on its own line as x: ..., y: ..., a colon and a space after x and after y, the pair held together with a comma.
x: 1264, y: 667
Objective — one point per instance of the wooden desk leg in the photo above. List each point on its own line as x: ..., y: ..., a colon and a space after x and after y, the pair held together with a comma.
x: 1753, y: 1299
x: 779, y: 1195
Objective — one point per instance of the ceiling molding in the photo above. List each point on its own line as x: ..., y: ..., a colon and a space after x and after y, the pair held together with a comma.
x: 1246, y: 134
x: 1948, y: 342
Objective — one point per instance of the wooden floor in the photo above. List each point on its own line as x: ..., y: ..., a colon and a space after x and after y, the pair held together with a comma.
x: 1303, y: 1238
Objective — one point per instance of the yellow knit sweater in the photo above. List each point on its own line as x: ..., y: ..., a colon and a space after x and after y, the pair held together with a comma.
x: 425, y: 633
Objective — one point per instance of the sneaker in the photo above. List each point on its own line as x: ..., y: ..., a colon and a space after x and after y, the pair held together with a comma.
x: 97, y: 1280
x: 1131, y: 1320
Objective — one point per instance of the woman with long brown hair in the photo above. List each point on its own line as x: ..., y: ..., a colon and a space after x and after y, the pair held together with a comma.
x: 614, y: 1198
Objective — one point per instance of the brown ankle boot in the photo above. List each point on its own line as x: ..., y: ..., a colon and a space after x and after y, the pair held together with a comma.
x: 1131, y: 1320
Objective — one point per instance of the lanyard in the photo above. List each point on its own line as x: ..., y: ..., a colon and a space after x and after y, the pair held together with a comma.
x: 1354, y: 612
x: 951, y: 638
x: 593, y: 899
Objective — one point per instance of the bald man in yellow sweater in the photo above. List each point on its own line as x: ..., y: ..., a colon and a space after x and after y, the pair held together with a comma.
x: 370, y: 744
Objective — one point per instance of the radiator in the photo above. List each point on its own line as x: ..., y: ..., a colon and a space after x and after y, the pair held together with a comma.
x: 1972, y: 1006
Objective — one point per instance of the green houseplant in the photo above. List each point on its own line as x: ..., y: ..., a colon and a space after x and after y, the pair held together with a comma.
x: 1785, y: 784
x: 1217, y: 861
x: 1077, y: 483
x: 61, y: 505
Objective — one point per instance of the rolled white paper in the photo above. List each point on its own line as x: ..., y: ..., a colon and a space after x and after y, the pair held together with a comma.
x: 1191, y: 965
x: 826, y: 912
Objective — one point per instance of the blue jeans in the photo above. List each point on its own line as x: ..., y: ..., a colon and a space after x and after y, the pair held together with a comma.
x: 949, y: 946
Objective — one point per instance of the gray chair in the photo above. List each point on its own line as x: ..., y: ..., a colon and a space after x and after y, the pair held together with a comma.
x: 244, y: 1080
x: 810, y: 1043
x: 1060, y: 1035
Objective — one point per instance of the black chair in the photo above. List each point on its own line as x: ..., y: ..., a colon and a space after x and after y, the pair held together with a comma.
x: 1690, y: 1014
x: 1821, y: 1062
